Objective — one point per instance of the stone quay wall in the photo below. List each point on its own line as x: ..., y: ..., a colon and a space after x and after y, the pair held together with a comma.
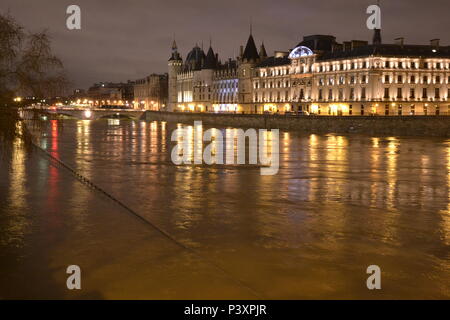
x: 437, y: 126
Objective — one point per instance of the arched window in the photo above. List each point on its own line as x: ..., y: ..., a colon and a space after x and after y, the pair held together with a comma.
x: 300, y: 51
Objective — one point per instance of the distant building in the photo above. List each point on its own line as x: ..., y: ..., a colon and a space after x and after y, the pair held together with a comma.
x: 104, y: 91
x: 151, y: 92
x: 127, y: 91
x: 319, y: 76
x: 78, y: 94
x: 111, y: 93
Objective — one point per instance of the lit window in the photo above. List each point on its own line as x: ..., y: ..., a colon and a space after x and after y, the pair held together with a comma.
x: 436, y: 93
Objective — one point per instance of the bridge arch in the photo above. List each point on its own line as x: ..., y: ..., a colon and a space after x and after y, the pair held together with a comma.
x: 117, y: 115
x: 94, y: 114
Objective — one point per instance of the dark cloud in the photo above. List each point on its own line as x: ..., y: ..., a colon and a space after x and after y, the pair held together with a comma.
x: 122, y: 40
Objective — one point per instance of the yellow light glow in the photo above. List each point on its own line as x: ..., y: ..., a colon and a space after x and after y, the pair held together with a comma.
x: 87, y: 113
x: 269, y: 107
x: 334, y: 108
x: 232, y: 107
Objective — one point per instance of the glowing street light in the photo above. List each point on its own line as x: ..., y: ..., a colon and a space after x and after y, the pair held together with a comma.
x: 87, y: 113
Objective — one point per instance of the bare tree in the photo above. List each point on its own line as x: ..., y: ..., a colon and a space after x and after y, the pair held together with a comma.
x: 27, y: 66
x: 38, y: 71
x: 11, y: 36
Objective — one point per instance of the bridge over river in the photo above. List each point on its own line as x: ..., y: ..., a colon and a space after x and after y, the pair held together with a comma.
x: 93, y: 114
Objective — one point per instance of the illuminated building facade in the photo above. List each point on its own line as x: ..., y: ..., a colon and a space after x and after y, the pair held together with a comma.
x: 150, y: 93
x: 202, y: 83
x: 225, y: 87
x: 107, y: 93
x: 319, y: 76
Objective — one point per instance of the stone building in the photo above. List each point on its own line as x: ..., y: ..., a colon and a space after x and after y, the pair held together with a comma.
x: 151, y: 92
x: 110, y: 93
x: 225, y: 87
x: 127, y: 91
x: 202, y: 83
x: 319, y: 76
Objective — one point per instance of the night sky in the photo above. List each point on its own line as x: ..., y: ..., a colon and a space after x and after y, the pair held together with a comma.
x: 129, y: 39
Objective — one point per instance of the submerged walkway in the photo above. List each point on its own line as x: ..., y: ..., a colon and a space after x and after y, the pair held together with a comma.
x: 50, y: 220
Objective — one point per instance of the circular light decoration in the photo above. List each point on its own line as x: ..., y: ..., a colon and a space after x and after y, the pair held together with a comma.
x: 300, y: 51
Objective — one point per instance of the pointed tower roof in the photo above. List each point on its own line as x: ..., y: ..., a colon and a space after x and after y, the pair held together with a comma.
x: 210, y: 61
x: 250, y: 52
x: 262, y: 51
x: 175, y: 55
x: 377, y: 37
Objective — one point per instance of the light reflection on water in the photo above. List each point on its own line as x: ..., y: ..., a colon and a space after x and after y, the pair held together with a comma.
x: 16, y: 223
x: 338, y: 204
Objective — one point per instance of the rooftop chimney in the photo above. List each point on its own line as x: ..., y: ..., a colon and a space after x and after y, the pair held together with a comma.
x: 434, y: 43
x: 241, y: 51
x: 400, y: 41
x: 280, y: 54
x: 336, y: 47
x: 358, y: 43
x: 347, y: 45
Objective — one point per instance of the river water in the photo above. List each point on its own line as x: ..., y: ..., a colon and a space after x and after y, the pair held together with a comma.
x: 338, y: 204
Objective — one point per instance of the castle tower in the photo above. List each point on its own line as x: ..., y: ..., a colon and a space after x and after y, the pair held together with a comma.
x: 248, y: 59
x: 175, y: 63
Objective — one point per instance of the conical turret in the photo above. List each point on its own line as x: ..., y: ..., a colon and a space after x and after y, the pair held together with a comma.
x: 175, y: 55
x: 250, y: 52
x: 262, y: 51
x: 210, y: 61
